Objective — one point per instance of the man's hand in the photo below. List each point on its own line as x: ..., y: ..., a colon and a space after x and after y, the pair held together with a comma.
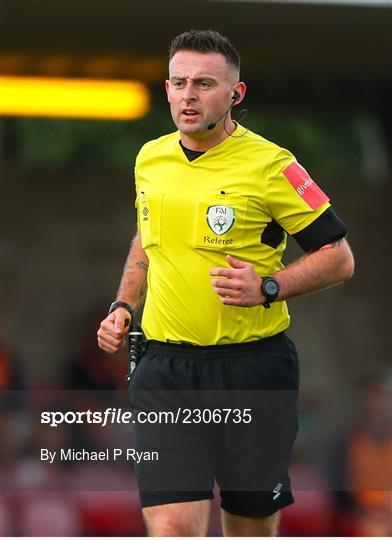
x: 113, y: 330
x: 132, y: 290
x: 238, y: 285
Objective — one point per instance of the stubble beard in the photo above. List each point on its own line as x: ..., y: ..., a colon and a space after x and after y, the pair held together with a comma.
x: 197, y: 130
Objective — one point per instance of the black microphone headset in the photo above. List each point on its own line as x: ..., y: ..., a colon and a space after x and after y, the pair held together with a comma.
x: 235, y: 97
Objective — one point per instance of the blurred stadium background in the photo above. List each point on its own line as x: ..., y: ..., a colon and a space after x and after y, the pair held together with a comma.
x: 319, y: 83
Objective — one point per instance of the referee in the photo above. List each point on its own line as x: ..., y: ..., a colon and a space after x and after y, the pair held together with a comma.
x: 215, y: 203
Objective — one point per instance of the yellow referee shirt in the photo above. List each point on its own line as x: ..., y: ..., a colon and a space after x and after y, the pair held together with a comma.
x: 192, y: 214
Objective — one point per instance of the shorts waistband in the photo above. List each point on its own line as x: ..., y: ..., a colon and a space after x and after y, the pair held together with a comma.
x: 200, y: 351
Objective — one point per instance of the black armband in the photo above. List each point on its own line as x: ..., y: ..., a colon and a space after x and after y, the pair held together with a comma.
x: 327, y: 228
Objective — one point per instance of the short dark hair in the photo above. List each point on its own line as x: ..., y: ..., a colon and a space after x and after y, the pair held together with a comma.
x: 205, y: 41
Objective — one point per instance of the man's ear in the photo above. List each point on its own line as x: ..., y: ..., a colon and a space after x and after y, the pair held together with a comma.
x: 240, y: 90
x: 167, y: 83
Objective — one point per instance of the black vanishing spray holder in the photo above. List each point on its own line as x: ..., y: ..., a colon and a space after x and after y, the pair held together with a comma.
x: 136, y: 348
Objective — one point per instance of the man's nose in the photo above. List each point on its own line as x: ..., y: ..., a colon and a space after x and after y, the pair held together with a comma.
x: 189, y: 93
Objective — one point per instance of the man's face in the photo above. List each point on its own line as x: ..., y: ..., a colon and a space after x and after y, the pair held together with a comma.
x: 199, y: 90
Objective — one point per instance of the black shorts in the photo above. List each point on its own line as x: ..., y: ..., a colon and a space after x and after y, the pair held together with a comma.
x: 225, y: 413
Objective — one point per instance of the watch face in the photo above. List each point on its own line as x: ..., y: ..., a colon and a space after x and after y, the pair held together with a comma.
x: 270, y: 288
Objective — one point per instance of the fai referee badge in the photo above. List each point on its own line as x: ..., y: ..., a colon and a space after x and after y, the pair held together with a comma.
x: 220, y: 219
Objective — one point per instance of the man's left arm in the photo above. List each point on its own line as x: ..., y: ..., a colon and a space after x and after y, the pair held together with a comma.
x: 240, y: 285
x: 298, y: 206
x: 329, y: 265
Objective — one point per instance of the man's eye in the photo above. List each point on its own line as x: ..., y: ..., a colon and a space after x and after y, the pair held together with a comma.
x: 204, y: 84
x: 178, y: 84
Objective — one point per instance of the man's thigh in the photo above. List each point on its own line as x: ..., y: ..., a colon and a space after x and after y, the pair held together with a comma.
x: 255, y: 456
x: 183, y: 466
x: 254, y: 450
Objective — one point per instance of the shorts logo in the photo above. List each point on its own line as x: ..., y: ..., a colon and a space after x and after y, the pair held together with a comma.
x: 277, y: 491
x: 220, y: 219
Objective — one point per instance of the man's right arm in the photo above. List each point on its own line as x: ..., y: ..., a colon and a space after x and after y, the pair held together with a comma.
x: 132, y: 290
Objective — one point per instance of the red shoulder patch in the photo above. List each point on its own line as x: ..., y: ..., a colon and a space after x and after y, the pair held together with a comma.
x: 305, y: 186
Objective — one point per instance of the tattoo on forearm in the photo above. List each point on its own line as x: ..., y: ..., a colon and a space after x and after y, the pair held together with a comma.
x: 142, y: 265
x: 142, y: 290
x: 133, y: 286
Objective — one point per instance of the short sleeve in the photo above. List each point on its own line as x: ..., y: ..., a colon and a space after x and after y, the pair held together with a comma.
x: 138, y: 163
x: 137, y: 184
x: 293, y: 198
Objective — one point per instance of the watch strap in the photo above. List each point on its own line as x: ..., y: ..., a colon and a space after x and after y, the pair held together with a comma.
x: 119, y: 303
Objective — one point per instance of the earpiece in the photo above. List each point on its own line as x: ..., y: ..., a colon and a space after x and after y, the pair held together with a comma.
x: 235, y: 96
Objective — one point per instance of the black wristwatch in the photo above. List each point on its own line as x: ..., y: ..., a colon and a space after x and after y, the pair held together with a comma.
x: 270, y: 289
x: 118, y: 304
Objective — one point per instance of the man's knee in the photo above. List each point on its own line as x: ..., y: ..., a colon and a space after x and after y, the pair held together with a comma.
x: 234, y: 525
x: 178, y: 519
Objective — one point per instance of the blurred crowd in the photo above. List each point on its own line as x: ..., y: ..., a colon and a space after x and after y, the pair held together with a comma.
x: 343, y: 487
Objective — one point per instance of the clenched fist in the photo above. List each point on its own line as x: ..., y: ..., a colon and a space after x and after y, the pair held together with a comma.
x: 113, y: 330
